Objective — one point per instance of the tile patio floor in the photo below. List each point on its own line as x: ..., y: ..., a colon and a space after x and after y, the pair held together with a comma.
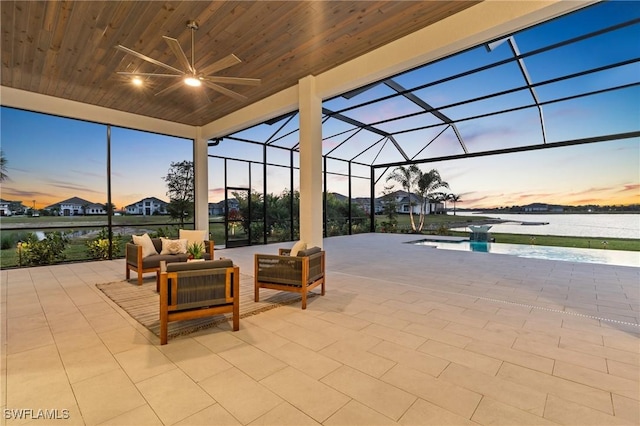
x: 405, y: 335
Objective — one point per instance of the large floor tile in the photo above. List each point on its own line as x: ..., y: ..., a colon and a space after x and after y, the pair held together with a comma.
x: 141, y: 416
x: 143, y: 362
x: 456, y: 399
x: 460, y: 356
x: 106, y: 396
x: 285, y: 414
x: 492, y: 412
x: 311, y: 363
x: 628, y: 387
x: 510, y: 393
x: 426, y: 413
x: 195, y: 359
x: 376, y: 394
x: 566, y: 412
x: 252, y: 361
x: 567, y: 389
x: 243, y: 397
x: 524, y: 359
x: 347, y: 353
x: 173, y: 396
x: 213, y: 415
x: 312, y: 397
x: 411, y: 358
x: 88, y: 362
x: 355, y: 413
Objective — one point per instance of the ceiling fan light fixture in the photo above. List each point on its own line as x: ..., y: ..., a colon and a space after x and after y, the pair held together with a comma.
x: 186, y: 72
x: 192, y: 81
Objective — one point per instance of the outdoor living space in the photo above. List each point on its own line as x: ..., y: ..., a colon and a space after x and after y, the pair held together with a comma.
x: 404, y: 335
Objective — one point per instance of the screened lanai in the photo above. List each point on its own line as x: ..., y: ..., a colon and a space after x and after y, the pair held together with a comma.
x: 471, y: 79
x: 569, y: 81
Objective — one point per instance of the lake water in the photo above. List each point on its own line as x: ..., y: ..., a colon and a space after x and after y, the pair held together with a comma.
x: 575, y: 225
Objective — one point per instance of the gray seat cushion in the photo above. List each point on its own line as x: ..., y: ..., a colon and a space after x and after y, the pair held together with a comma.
x: 192, y: 266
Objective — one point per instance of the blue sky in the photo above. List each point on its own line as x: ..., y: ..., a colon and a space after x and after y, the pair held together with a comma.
x: 51, y: 159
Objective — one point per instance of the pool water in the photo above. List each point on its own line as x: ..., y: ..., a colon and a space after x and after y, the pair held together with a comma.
x: 569, y: 254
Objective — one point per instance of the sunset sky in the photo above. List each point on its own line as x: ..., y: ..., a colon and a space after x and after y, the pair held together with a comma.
x: 51, y: 159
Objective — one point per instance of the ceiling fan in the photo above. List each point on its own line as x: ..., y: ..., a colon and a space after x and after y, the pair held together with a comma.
x: 189, y: 75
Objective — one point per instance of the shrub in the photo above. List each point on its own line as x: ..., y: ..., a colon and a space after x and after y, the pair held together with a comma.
x: 443, y: 229
x: 6, y: 242
x: 99, y: 247
x: 165, y: 231
x: 11, y: 238
x: 43, y: 252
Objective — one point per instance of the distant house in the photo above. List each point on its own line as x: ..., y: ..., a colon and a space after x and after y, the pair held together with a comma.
x: 365, y: 204
x: 5, y: 209
x: 406, y: 201
x: 218, y: 209
x: 147, y: 207
x: 94, y: 208
x: 75, y: 206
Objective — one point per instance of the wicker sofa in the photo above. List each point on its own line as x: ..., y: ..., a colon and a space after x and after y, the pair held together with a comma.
x: 198, y: 289
x: 137, y: 263
x: 299, y: 274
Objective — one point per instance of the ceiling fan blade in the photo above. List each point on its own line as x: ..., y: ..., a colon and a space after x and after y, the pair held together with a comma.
x: 224, y: 90
x: 221, y: 64
x: 177, y: 50
x: 147, y: 74
x: 204, y: 96
x: 170, y: 88
x: 234, y: 80
x: 148, y: 59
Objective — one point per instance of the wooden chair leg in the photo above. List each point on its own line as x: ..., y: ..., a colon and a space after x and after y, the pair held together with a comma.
x: 139, y: 276
x: 127, y: 272
x: 322, y: 292
x: 163, y: 327
x: 236, y: 315
x: 304, y: 297
x: 164, y: 310
x: 256, y: 292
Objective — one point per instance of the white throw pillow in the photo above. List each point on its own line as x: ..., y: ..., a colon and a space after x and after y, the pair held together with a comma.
x: 197, y: 237
x: 173, y: 246
x: 297, y: 247
x: 144, y: 240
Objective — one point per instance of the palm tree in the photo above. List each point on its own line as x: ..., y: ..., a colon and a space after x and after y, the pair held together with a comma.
x: 427, y: 184
x: 454, y: 198
x: 407, y: 177
x: 3, y: 166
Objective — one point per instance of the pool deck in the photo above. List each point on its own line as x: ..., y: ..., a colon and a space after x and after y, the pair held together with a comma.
x: 405, y: 335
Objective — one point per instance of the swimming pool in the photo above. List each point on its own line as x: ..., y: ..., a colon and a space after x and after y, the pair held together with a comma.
x: 569, y: 254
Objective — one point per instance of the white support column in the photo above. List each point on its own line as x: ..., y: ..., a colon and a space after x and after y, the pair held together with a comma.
x: 201, y: 171
x: 310, y: 162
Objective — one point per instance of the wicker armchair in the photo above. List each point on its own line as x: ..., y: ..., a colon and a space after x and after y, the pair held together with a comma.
x: 298, y: 274
x: 198, y: 289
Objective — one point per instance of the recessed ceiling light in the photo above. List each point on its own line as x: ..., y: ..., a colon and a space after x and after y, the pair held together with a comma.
x: 192, y: 81
x: 137, y: 81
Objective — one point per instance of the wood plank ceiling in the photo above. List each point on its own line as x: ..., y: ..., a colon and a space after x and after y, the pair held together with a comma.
x: 66, y: 48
